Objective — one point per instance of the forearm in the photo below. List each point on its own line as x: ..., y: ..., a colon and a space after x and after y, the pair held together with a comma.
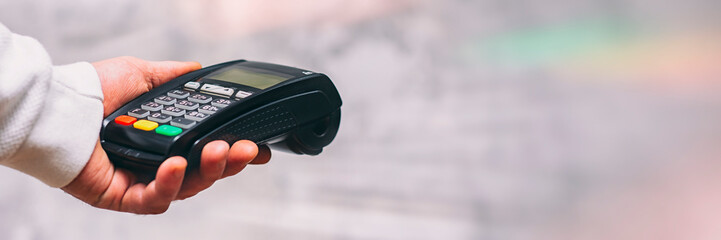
x: 49, y: 116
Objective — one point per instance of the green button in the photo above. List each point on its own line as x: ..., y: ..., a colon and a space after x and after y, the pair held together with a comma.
x: 168, y: 130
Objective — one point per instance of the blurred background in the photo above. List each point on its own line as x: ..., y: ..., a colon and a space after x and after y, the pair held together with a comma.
x: 462, y: 119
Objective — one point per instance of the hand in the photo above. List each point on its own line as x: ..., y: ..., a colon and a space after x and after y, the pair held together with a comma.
x: 102, y: 185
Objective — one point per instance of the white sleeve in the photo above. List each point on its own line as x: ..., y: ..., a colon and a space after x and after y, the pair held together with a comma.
x: 50, y: 116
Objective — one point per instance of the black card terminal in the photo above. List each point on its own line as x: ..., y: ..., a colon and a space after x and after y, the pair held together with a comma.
x: 286, y: 108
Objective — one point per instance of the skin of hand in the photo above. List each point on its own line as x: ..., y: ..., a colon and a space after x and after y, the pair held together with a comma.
x: 102, y: 185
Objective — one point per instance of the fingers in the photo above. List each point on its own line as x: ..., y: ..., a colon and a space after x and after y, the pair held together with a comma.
x: 213, y: 160
x: 119, y: 189
x: 240, y: 155
x: 155, y: 198
x: 212, y: 165
x: 219, y: 161
x: 263, y: 155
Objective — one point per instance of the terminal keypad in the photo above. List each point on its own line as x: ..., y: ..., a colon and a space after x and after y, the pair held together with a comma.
x: 173, y: 112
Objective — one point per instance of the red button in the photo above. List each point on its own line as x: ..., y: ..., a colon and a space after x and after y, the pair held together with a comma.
x: 125, y: 120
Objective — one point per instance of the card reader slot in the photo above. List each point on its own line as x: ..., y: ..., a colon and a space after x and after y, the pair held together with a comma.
x: 140, y: 159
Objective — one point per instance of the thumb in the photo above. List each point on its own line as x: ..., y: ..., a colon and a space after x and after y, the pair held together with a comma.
x: 125, y: 78
x: 163, y: 71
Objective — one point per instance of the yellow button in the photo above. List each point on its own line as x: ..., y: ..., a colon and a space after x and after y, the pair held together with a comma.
x: 145, y: 125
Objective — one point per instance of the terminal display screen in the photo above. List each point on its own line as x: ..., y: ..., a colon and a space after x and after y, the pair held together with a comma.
x: 257, y: 78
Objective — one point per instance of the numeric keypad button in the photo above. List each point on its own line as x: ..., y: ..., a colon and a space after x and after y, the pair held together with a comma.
x: 179, y: 94
x: 196, y: 116
x: 173, y: 111
x: 159, y: 117
x: 187, y: 105
x: 208, y: 109
x: 200, y: 98
x: 221, y: 103
x: 182, y: 122
x: 152, y: 106
x: 139, y: 113
x: 165, y: 100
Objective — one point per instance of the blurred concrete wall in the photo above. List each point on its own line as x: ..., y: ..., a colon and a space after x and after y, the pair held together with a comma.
x: 461, y: 119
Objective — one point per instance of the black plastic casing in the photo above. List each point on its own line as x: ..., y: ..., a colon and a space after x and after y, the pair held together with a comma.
x: 299, y: 115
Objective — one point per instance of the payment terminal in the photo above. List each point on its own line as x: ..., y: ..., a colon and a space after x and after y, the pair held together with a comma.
x: 286, y: 108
